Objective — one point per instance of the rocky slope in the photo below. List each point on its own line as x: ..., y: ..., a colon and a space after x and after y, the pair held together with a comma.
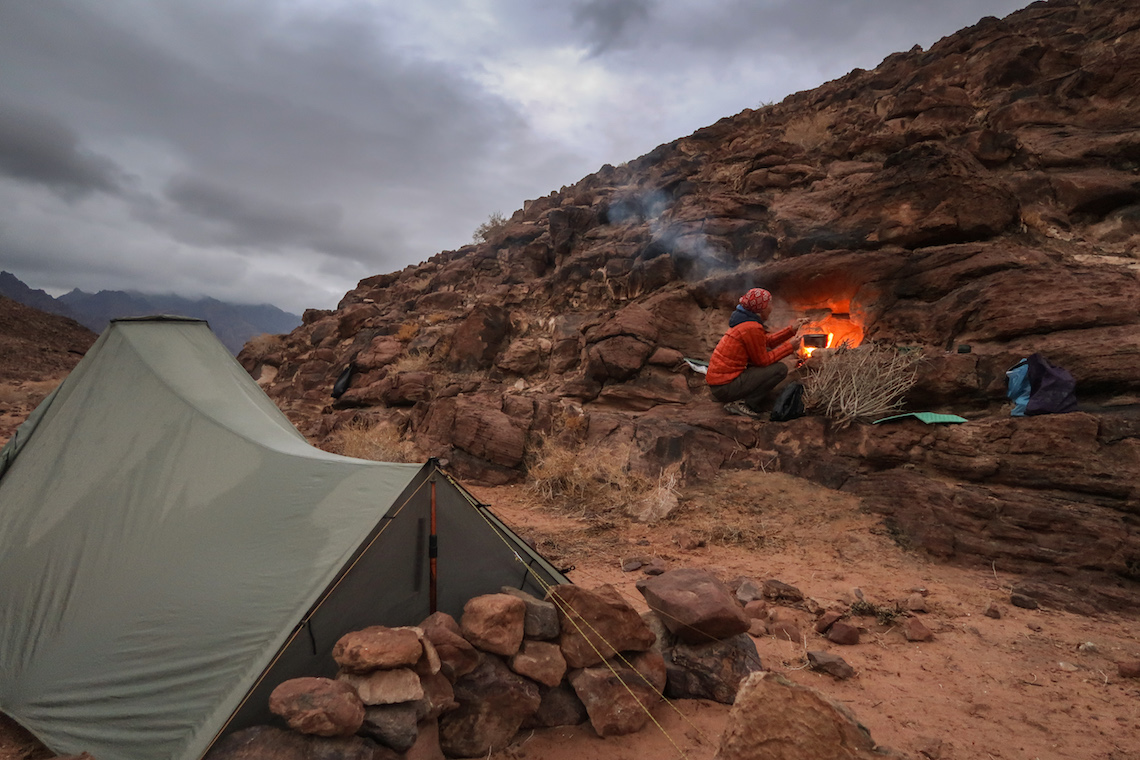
x: 37, y: 350
x: 982, y: 194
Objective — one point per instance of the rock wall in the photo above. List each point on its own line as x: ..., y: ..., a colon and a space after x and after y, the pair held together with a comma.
x: 975, y: 202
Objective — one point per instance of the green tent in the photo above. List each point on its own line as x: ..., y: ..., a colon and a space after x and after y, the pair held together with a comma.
x: 171, y: 549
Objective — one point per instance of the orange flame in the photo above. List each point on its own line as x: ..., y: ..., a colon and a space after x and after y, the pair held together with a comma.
x: 839, y: 330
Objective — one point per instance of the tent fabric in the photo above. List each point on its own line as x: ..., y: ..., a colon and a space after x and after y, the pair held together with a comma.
x: 171, y: 548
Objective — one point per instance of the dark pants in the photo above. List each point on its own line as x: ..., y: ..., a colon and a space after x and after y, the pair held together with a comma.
x: 751, y: 385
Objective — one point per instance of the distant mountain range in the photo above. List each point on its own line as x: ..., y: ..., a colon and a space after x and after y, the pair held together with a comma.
x: 234, y: 324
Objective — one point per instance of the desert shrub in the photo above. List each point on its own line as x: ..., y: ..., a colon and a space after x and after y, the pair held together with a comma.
x: 883, y: 615
x: 488, y: 228
x: 436, y: 317
x: 380, y: 442
x: 855, y: 383
x: 810, y: 131
x: 407, y: 331
x: 597, y: 483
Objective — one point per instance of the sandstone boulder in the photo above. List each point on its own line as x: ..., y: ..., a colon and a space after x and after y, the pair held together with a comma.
x: 713, y: 670
x: 541, y: 619
x: 774, y: 719
x: 597, y: 624
x: 456, y: 655
x: 494, y: 623
x: 493, y: 703
x: 694, y: 605
x: 385, y: 687
x: 540, y: 661
x: 617, y: 698
x: 376, y: 648
x: 394, y: 726
x: 318, y: 706
x: 560, y: 706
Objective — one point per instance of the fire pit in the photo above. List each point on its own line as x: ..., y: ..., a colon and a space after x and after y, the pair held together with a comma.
x: 829, y: 330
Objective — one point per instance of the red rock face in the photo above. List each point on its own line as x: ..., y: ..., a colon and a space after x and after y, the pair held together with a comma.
x: 981, y: 194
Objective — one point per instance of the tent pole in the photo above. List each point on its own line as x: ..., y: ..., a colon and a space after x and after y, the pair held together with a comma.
x: 433, y: 552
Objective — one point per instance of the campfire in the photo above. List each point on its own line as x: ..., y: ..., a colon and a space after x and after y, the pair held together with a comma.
x: 829, y: 330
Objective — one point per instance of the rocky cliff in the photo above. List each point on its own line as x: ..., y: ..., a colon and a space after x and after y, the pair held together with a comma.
x: 983, y: 194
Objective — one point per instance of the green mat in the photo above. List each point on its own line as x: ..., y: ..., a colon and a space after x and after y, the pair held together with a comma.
x: 930, y: 418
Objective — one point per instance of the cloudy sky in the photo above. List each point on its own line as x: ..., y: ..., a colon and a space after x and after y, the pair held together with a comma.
x: 280, y: 150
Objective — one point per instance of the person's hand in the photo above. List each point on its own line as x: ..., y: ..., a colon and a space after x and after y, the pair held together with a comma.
x: 799, y: 324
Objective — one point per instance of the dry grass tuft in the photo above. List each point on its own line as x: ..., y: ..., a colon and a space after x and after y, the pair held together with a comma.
x: 810, y: 131
x: 413, y: 361
x: 597, y: 484
x: 407, y: 331
x: 870, y: 380
x: 380, y: 442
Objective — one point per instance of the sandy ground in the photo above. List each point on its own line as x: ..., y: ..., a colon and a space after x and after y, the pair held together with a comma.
x: 1018, y: 687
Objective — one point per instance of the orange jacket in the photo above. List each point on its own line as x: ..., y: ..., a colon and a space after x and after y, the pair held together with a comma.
x: 747, y: 345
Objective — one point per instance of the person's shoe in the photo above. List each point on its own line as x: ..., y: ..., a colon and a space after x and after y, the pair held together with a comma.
x: 741, y: 408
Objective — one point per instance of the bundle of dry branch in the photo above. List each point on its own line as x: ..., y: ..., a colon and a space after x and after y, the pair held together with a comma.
x: 861, y: 382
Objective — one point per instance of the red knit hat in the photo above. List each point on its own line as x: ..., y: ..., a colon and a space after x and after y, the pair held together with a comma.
x: 756, y: 300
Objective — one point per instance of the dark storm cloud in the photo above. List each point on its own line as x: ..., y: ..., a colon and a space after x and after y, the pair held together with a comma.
x: 39, y: 149
x: 608, y: 21
x: 246, y: 219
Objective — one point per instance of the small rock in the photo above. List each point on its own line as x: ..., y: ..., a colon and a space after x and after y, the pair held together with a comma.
x: 1023, y: 601
x: 993, y: 611
x: 748, y: 591
x: 774, y: 589
x: 843, y: 633
x: 915, y: 630
x: 757, y: 608
x: 1088, y: 648
x: 832, y: 664
x: 688, y: 542
x: 1068, y: 667
x: 1130, y: 669
x: 655, y: 566
x: 826, y: 620
x: 631, y: 564
x: 916, y: 603
x: 758, y: 628
x: 1034, y: 627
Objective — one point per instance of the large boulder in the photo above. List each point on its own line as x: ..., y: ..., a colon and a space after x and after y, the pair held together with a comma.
x: 597, y: 624
x: 618, y: 698
x: 318, y: 706
x: 694, y: 605
x: 494, y: 623
x: 775, y: 719
x: 493, y: 703
x: 713, y: 670
x: 376, y: 648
